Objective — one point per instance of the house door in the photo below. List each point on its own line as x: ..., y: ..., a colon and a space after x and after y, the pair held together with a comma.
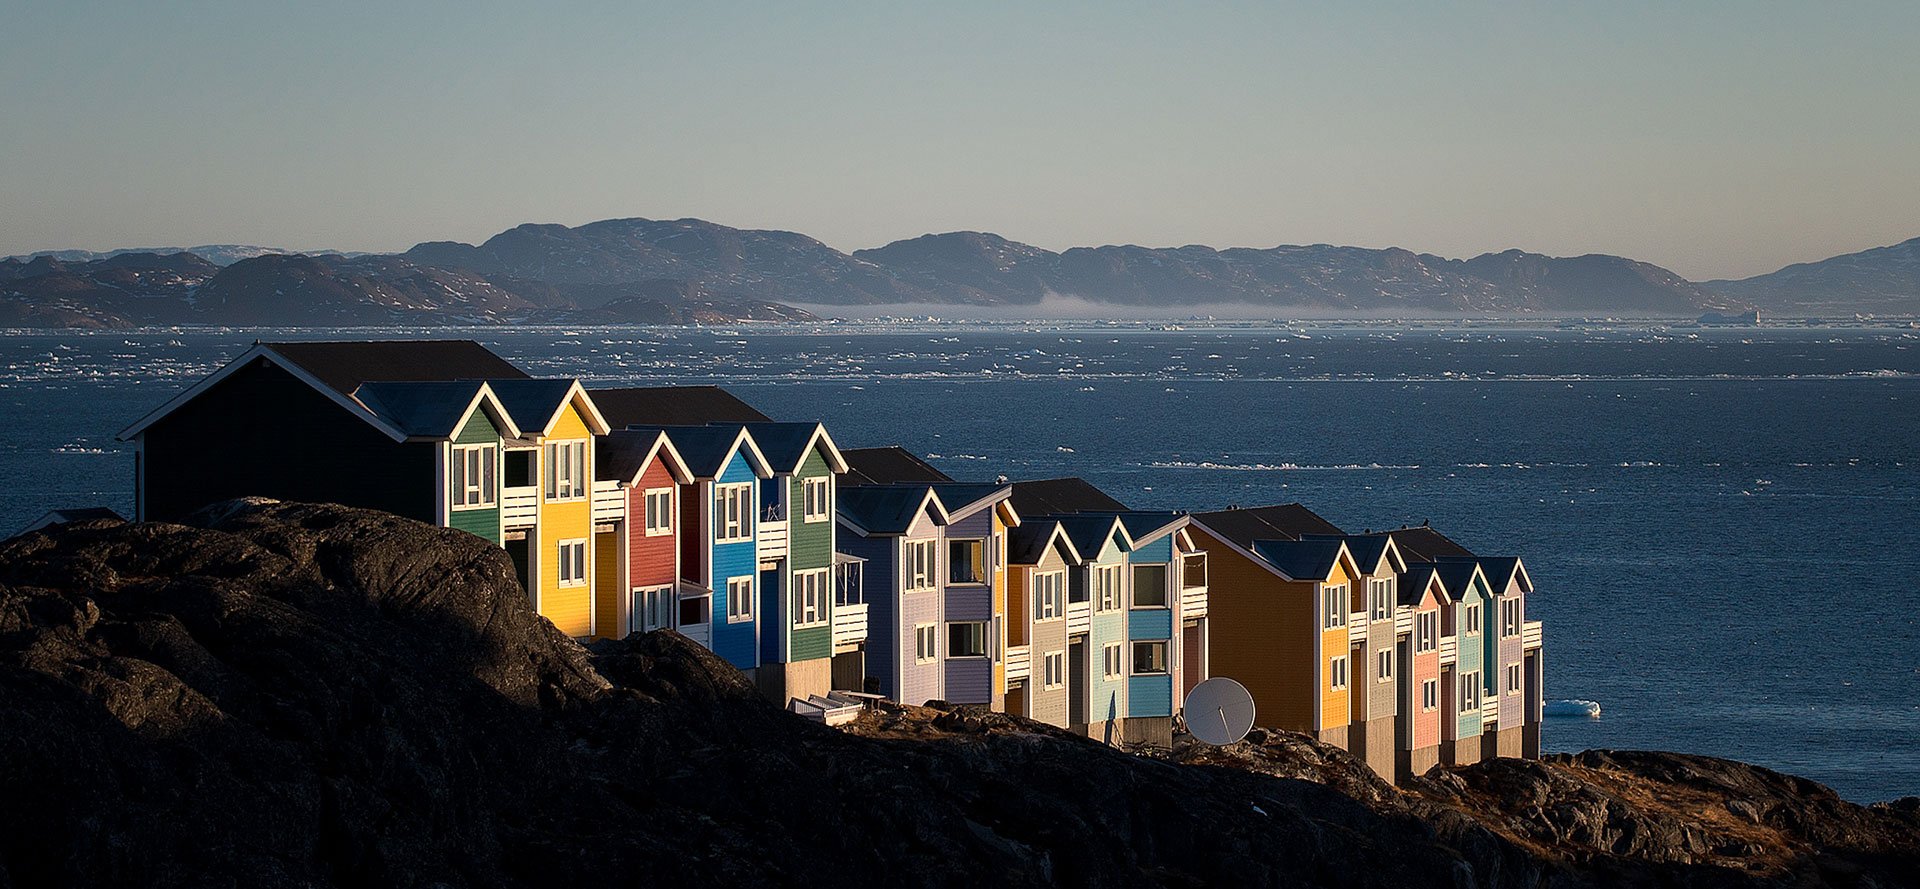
x: 1077, y: 681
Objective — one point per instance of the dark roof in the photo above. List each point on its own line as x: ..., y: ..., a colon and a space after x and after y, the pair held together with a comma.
x: 1286, y: 521
x: 1498, y: 569
x: 783, y: 444
x: 1300, y: 559
x: 1366, y: 548
x: 882, y: 509
x: 887, y: 466
x: 432, y: 409
x: 1141, y: 523
x: 1413, y: 583
x: 705, y: 448
x: 1088, y: 532
x: 673, y: 406
x: 1027, y: 544
x: 1059, y: 496
x: 957, y: 496
x: 621, y: 454
x: 345, y: 365
x: 1456, y: 575
x: 531, y: 403
x: 1425, y: 544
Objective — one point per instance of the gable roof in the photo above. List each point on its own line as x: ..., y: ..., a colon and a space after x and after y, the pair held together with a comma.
x: 1424, y: 544
x: 1286, y: 521
x: 1500, y: 571
x: 889, y: 465
x: 434, y: 410
x: 673, y: 406
x: 1304, y: 559
x: 1059, y: 496
x: 536, y: 405
x: 786, y: 445
x: 1147, y: 524
x: 707, y: 449
x: 1414, y: 582
x: 623, y: 454
x: 1090, y: 533
x: 1028, y: 544
x: 1369, y: 551
x: 1458, y: 576
x: 887, y: 510
x: 962, y: 498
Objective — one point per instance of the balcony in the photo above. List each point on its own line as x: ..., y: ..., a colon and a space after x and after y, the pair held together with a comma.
x: 1449, y: 650
x: 1079, y: 617
x: 1193, y: 571
x: 1489, y: 711
x: 849, y: 624
x: 772, y: 531
x: 520, y: 507
x: 1019, y: 662
x: 1193, y: 602
x: 1356, y: 627
x: 609, y: 502
x: 1530, y: 635
x: 1403, y: 620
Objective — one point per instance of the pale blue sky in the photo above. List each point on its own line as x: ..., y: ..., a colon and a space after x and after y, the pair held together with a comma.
x: 1712, y: 138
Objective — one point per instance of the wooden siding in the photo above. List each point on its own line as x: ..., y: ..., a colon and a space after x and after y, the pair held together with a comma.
x: 1107, y: 698
x: 262, y: 432
x: 482, y: 522
x: 1048, y: 637
x: 1150, y: 696
x: 737, y: 642
x: 998, y: 547
x: 883, y: 606
x: 1507, y: 652
x: 968, y: 679
x: 1148, y: 624
x: 651, y: 560
x: 920, y: 683
x: 570, y: 608
x: 809, y: 548
x: 1262, y: 632
x: 1335, y: 704
x: 1470, y: 657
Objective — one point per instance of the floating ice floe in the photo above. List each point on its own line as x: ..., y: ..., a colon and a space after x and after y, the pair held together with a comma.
x: 1575, y: 709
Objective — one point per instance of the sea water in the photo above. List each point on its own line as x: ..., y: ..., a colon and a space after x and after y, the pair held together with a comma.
x: 1723, y: 526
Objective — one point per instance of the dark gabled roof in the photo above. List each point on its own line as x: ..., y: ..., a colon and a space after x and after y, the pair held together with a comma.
x: 786, y: 445
x: 621, y: 455
x: 1144, y: 523
x: 531, y: 403
x: 1089, y: 533
x: 1423, y: 544
x: 1286, y: 521
x: 1456, y: 575
x: 888, y: 466
x: 1059, y: 496
x: 343, y: 366
x: 958, y: 496
x: 1500, y: 570
x: 1414, y: 581
x: 883, y: 509
x: 1367, y: 549
x: 1027, y: 543
x: 425, y: 409
x: 673, y: 406
x: 1300, y: 559
x: 706, y: 449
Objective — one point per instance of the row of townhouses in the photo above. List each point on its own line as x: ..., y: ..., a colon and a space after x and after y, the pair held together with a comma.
x: 829, y: 574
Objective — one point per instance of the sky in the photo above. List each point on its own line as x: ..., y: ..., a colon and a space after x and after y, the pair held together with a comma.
x: 1715, y: 139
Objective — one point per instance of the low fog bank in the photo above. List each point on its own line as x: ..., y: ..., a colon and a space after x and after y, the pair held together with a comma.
x: 1056, y: 306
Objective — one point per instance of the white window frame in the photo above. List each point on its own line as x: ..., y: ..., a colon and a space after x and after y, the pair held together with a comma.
x: 810, y: 596
x: 570, y: 565
x: 1429, y: 695
x: 1333, y: 601
x: 1509, y: 617
x: 926, y: 643
x: 739, y: 607
x: 1470, y: 620
x: 1049, y: 596
x: 654, y: 608
x: 1470, y: 691
x: 656, y: 506
x: 986, y: 564
x: 816, y: 499
x: 1513, y: 679
x: 1383, y: 665
x: 1106, y: 587
x: 1380, y: 598
x: 921, y: 570
x: 733, y: 512
x: 1111, y: 667
x: 1053, y: 670
x: 1150, y: 643
x: 469, y: 492
x: 1426, y: 631
x: 567, y: 470
x: 1339, y: 672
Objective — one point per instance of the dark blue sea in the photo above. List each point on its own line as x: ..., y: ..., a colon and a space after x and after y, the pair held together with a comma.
x: 1723, y: 526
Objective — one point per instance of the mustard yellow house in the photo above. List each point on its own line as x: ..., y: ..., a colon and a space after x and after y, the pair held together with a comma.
x: 547, y: 503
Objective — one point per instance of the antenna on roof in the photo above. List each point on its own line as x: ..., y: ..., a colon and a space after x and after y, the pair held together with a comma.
x: 1219, y: 711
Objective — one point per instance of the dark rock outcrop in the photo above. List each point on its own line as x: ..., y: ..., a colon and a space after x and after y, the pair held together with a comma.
x: 290, y: 694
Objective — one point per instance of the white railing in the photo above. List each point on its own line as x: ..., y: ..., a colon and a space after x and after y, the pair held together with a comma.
x: 1356, y: 627
x: 1449, y: 649
x: 609, y: 502
x: 1019, y: 662
x: 1079, y: 617
x: 1193, y: 602
x: 773, y: 539
x: 850, y: 624
x: 1489, y: 709
x: 701, y: 633
x: 520, y: 507
x: 1402, y: 621
x: 1530, y: 634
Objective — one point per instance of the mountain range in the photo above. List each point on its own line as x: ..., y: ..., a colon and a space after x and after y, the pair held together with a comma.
x: 692, y: 271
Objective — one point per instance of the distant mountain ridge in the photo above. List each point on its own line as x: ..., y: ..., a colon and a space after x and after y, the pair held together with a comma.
x: 690, y: 270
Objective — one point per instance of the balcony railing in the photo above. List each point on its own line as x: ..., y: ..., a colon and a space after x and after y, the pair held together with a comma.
x: 849, y: 624
x: 1530, y: 634
x: 520, y: 507
x: 1193, y: 571
x: 1193, y: 602
x: 1449, y: 649
x: 773, y: 540
x: 1356, y: 627
x: 1403, y: 620
x: 1489, y: 709
x: 1019, y: 662
x: 1079, y: 617
x: 609, y: 501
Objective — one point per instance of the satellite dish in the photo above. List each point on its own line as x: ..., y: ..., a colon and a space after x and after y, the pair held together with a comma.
x: 1219, y: 711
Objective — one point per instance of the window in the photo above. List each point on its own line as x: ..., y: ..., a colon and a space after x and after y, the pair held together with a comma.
x: 1383, y: 665
x: 1510, y: 616
x: 1053, y: 673
x: 652, y: 608
x: 658, y: 506
x: 1426, y: 631
x: 1106, y: 586
x: 693, y: 611
x: 1333, y: 606
x: 967, y: 639
x: 733, y: 512
x: 923, y: 558
x: 966, y: 561
x: 816, y: 505
x: 809, y: 597
x: 1149, y: 586
x: 739, y: 599
x: 1049, y: 595
x: 1471, y: 622
x: 474, y: 474
x: 566, y: 470
x: 926, y: 643
x: 1513, y: 679
x: 1110, y: 660
x: 1380, y: 597
x: 1149, y: 657
x: 1469, y: 691
x: 572, y: 562
x: 1430, y: 695
x: 1337, y: 673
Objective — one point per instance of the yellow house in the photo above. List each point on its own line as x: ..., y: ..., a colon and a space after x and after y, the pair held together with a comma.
x: 550, y: 467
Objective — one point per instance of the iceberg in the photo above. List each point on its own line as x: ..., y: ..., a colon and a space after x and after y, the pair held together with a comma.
x: 1572, y: 709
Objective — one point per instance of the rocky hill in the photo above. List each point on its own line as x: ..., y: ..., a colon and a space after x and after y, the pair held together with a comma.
x: 1883, y: 280
x: 283, y: 694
